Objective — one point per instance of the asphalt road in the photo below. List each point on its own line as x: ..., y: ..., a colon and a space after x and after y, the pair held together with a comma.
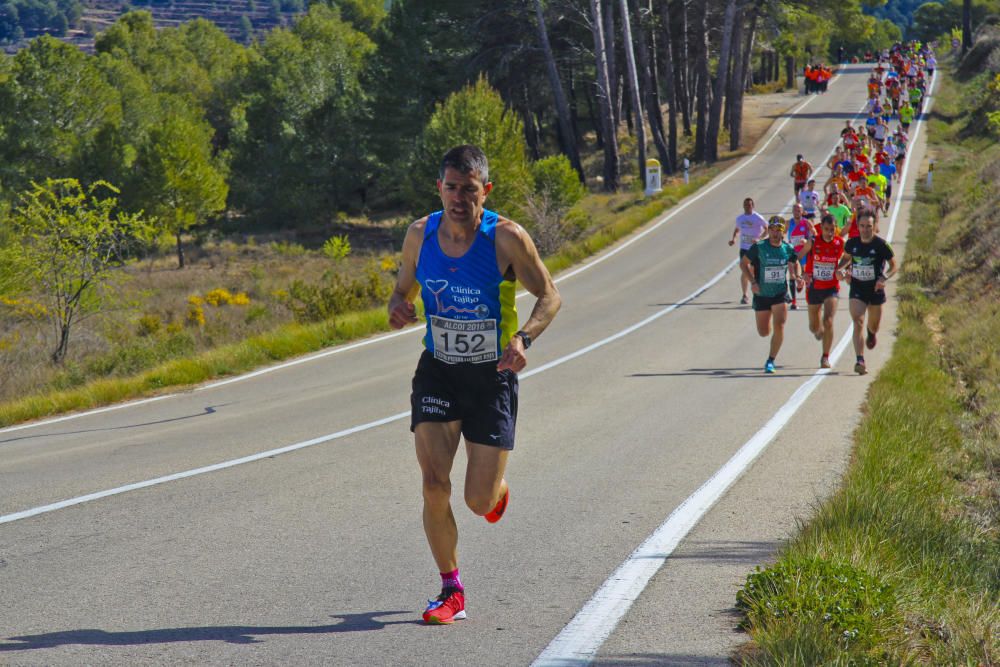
x: 317, y: 556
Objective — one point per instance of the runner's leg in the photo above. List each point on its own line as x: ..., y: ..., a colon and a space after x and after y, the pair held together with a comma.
x: 437, y: 443
x: 829, y: 310
x: 763, y: 322
x: 874, y: 318
x: 779, y: 313
x: 815, y: 324
x: 857, y: 309
x: 484, y: 482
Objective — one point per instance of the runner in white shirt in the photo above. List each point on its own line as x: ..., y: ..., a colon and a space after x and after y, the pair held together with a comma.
x: 750, y: 228
x: 810, y: 199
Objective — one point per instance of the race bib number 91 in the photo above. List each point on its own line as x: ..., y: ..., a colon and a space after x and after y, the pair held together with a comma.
x: 464, y: 341
x: 774, y: 274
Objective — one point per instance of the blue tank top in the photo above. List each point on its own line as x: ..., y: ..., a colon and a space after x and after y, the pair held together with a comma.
x: 469, y: 305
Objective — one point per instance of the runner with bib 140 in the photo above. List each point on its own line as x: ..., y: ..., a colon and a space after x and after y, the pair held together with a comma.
x: 866, y: 255
x: 464, y: 261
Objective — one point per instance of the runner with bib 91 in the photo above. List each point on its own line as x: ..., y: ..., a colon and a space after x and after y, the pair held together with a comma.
x: 767, y: 265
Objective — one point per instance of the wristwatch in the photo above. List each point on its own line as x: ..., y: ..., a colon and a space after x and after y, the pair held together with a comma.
x: 525, y: 338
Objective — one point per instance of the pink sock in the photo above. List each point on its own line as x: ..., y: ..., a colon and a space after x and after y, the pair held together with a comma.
x: 451, y: 580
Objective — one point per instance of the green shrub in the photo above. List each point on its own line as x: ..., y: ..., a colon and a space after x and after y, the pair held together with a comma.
x: 340, y: 294
x: 475, y: 115
x: 853, y: 606
x: 337, y: 247
x: 556, y: 180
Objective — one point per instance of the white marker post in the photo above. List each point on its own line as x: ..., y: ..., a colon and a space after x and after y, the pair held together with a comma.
x: 653, y: 177
x: 686, y: 164
x: 930, y: 175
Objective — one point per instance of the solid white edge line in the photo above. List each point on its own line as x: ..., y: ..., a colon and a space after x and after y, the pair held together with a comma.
x: 377, y: 339
x: 578, y: 643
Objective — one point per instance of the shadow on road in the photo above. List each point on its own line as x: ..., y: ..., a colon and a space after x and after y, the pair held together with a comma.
x: 231, y: 634
x: 747, y: 373
x: 719, y: 551
x: 209, y: 410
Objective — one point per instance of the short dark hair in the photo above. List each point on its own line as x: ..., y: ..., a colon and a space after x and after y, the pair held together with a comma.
x: 467, y: 159
x: 827, y: 218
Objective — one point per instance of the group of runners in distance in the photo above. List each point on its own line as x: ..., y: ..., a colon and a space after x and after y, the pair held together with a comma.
x: 816, y: 77
x: 833, y: 233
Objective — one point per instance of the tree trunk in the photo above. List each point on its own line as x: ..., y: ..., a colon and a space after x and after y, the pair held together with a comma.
x: 736, y: 131
x: 650, y: 89
x: 747, y: 75
x: 682, y: 67
x: 669, y: 75
x: 721, y: 79
x: 180, y: 252
x: 595, y: 116
x: 735, y: 82
x: 574, y: 111
x: 59, y: 354
x: 530, y: 126
x: 604, y: 99
x: 790, y: 72
x: 702, y: 73
x: 567, y: 138
x: 966, y: 26
x: 608, y: 15
x: 636, y: 96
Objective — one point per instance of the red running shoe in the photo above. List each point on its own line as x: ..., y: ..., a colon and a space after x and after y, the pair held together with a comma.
x: 497, y: 512
x: 447, y: 608
x: 870, y: 340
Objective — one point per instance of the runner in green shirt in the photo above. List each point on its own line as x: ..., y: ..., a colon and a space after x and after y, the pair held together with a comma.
x: 842, y: 214
x: 879, y: 183
x: 766, y: 266
x: 906, y: 114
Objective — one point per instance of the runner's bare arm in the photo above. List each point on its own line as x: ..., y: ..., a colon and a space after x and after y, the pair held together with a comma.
x: 401, y: 308
x: 516, y: 248
x: 880, y: 283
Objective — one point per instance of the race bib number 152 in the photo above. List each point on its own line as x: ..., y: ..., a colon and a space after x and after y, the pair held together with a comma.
x: 468, y: 341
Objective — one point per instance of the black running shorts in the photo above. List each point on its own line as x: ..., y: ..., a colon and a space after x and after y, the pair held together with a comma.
x: 865, y: 291
x: 765, y: 302
x: 816, y: 297
x: 479, y: 396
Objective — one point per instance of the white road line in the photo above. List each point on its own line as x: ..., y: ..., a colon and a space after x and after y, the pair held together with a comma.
x: 578, y: 643
x: 416, y: 329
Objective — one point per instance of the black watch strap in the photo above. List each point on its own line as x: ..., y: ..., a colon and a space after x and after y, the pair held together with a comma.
x: 525, y: 338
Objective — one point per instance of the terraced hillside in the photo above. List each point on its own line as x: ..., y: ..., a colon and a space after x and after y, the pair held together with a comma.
x: 240, y: 19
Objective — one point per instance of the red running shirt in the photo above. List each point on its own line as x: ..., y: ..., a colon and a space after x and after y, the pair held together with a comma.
x: 822, y: 260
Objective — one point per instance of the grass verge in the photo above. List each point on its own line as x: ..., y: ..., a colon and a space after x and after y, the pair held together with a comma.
x: 902, y: 564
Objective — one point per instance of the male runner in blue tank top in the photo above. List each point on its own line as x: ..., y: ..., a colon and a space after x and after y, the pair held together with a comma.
x: 464, y: 260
